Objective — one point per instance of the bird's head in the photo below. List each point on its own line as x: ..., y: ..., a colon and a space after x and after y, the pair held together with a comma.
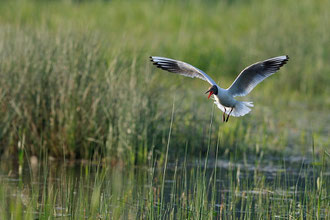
x: 212, y: 90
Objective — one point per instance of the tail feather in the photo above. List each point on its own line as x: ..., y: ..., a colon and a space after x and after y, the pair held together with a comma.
x: 240, y: 109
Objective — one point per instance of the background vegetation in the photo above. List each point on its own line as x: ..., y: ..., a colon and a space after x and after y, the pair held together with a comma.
x: 75, y: 80
x: 76, y: 84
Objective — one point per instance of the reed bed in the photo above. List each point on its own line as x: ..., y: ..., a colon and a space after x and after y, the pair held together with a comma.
x: 76, y: 85
x: 191, y: 191
x: 76, y: 82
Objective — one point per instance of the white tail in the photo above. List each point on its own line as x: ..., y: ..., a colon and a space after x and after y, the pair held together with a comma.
x: 241, y: 108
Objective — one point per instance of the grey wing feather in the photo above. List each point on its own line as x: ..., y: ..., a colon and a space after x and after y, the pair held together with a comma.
x: 181, y: 68
x: 254, y: 74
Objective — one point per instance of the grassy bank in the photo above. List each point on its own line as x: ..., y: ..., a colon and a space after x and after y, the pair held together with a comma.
x: 76, y: 81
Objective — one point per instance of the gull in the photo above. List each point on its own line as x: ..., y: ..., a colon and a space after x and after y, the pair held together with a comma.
x: 243, y: 84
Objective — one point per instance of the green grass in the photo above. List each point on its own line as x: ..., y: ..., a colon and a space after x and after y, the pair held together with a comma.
x: 76, y: 82
x: 233, y: 191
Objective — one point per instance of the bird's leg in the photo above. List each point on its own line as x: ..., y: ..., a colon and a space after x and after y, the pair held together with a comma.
x: 224, y: 115
x: 229, y: 114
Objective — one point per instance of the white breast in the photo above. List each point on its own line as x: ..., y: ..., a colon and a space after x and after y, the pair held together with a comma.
x: 225, y: 98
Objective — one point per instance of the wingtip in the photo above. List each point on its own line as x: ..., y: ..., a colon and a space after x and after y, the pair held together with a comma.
x: 284, y: 57
x: 285, y: 60
x: 154, y: 62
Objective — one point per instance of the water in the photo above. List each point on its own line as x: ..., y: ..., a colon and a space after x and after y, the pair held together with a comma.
x: 226, y: 187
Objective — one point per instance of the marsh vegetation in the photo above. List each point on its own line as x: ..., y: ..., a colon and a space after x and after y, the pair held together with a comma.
x: 76, y: 86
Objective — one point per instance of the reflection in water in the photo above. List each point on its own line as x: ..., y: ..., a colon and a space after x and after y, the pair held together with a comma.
x: 272, y: 187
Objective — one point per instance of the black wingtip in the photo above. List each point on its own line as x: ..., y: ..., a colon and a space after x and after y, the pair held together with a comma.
x: 285, y: 61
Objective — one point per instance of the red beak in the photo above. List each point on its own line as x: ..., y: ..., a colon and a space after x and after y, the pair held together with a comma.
x: 211, y: 92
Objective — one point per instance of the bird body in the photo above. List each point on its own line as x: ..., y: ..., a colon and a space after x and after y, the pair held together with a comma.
x: 225, y: 102
x: 225, y: 98
x: 243, y: 84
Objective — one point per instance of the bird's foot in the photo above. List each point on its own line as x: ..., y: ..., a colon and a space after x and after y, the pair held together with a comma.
x: 229, y: 114
x: 224, y: 115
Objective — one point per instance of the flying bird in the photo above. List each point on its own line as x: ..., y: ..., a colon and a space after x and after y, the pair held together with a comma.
x: 224, y: 98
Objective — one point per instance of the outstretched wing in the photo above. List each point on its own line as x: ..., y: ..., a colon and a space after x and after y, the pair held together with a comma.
x: 254, y: 74
x: 182, y: 68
